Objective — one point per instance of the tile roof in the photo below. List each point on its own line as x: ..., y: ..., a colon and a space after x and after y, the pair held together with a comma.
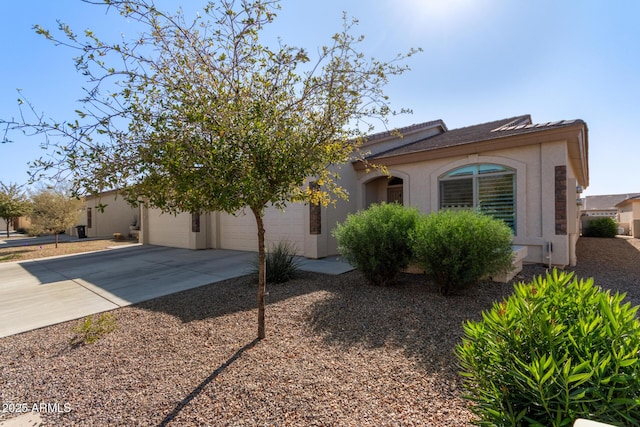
x: 630, y: 198
x: 606, y: 202
x: 405, y: 130
x: 482, y: 132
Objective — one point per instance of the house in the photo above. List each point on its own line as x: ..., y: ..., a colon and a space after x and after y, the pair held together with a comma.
x: 527, y: 174
x: 20, y: 223
x: 629, y: 215
x: 604, y: 206
x: 106, y: 214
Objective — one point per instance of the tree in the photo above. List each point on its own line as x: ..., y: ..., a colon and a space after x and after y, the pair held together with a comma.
x: 13, y: 203
x: 199, y: 116
x: 53, y: 211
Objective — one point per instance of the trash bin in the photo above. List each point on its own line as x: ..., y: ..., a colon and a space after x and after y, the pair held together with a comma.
x: 81, y: 231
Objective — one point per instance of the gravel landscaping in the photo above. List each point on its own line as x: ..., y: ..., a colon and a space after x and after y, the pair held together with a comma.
x: 338, y: 352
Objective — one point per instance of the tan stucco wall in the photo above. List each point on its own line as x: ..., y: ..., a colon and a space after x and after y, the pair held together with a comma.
x: 629, y: 217
x: 117, y: 216
x: 535, y: 184
x: 22, y: 222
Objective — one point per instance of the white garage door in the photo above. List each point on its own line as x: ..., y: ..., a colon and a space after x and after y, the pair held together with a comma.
x: 169, y: 230
x: 240, y: 232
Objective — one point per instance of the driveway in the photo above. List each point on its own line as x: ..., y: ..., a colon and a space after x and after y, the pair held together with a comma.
x: 43, y: 292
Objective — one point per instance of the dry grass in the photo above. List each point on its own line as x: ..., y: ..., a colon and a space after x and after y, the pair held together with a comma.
x: 29, y: 250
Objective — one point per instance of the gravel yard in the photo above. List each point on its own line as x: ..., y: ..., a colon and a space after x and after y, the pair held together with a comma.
x: 337, y: 352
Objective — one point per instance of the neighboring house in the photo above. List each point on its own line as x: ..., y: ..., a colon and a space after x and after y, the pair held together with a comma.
x: 21, y: 223
x: 605, y: 206
x: 598, y: 206
x: 106, y: 214
x: 629, y: 215
x: 17, y: 224
x: 527, y: 174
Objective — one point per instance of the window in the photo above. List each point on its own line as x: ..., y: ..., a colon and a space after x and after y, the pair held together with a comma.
x: 195, y: 222
x: 488, y: 188
x: 89, y: 218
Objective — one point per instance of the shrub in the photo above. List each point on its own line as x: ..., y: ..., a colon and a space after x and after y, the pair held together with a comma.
x: 602, y: 227
x: 458, y: 248
x: 92, y: 328
x: 375, y: 241
x: 281, y: 263
x: 556, y: 350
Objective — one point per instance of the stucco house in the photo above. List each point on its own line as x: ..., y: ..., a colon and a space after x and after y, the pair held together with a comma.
x: 527, y: 174
x: 105, y: 214
x: 22, y: 222
x: 604, y: 205
x: 629, y: 215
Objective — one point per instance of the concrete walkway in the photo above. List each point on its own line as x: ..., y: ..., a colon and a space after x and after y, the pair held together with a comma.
x: 43, y: 292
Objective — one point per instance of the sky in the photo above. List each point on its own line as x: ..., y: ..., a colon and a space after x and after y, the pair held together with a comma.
x: 482, y: 60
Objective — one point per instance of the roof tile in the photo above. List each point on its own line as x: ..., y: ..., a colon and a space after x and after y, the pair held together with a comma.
x: 482, y: 132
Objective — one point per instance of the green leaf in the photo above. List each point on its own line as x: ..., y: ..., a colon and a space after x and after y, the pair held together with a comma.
x: 579, y: 378
x: 628, y: 362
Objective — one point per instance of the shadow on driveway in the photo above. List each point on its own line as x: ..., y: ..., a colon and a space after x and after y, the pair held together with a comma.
x: 46, y: 291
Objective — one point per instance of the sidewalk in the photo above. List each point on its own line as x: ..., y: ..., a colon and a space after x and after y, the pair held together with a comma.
x: 46, y: 291
x: 16, y: 239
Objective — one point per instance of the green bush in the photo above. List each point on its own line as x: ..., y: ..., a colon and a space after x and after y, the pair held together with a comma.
x: 602, y: 227
x: 556, y: 350
x: 375, y: 241
x: 281, y: 262
x: 458, y: 248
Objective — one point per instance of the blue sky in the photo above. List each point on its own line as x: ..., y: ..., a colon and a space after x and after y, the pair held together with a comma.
x: 483, y: 60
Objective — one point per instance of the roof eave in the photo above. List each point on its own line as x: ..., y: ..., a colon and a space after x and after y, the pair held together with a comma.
x: 576, y: 135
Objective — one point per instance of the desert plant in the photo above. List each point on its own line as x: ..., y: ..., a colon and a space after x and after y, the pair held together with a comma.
x: 91, y: 328
x: 281, y: 262
x: 376, y: 241
x: 601, y: 227
x: 557, y: 349
x: 458, y: 248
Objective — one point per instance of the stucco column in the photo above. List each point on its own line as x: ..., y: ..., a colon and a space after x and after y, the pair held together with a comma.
x: 144, y: 224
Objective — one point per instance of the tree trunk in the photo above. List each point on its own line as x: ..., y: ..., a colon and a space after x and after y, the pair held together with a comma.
x: 56, y: 234
x: 7, y: 221
x: 262, y: 269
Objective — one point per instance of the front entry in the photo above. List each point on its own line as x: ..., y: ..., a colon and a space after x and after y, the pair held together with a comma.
x: 384, y: 189
x: 394, y: 195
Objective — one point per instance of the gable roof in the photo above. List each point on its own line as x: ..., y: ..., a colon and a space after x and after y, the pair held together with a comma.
x: 405, y: 131
x: 632, y: 198
x: 605, y: 202
x: 518, y: 125
x: 499, y: 134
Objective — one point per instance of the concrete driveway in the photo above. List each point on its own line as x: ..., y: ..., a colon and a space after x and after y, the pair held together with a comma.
x: 43, y: 292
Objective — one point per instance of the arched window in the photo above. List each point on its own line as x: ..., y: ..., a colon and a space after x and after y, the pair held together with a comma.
x: 487, y: 188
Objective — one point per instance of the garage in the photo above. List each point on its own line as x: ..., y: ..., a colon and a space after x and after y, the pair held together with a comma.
x: 168, y: 230
x: 239, y: 232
